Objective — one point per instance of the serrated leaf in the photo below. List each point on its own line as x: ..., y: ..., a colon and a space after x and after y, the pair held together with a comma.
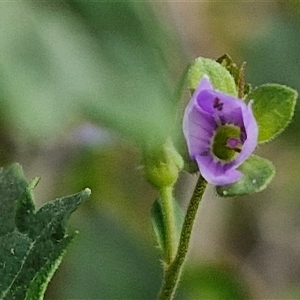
x: 158, y: 222
x: 31, y: 243
x: 12, y: 186
x: 273, y: 108
x: 257, y: 174
x: 220, y: 78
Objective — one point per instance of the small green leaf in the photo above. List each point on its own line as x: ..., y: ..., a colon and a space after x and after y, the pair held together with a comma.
x: 257, y: 171
x: 220, y: 78
x: 158, y: 222
x: 31, y: 243
x: 273, y: 108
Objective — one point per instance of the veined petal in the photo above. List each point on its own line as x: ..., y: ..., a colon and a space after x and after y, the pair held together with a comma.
x: 198, y: 125
x: 198, y: 134
x: 231, y: 111
x: 216, y: 173
x: 212, y: 121
x: 251, y: 130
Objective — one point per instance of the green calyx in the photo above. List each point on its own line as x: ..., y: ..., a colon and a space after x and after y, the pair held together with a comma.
x: 162, y: 167
x: 220, y: 146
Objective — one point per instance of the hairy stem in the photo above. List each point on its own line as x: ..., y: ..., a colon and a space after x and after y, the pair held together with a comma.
x: 173, y: 272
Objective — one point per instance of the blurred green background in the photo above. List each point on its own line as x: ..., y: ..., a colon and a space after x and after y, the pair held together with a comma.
x: 83, y: 85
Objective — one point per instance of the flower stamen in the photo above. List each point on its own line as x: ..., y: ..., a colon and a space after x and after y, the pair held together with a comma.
x: 218, y: 104
x: 235, y: 144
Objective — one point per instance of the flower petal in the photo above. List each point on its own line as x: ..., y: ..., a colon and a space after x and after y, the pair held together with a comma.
x: 216, y: 173
x: 251, y: 129
x: 207, y: 110
x: 231, y: 111
x: 198, y: 126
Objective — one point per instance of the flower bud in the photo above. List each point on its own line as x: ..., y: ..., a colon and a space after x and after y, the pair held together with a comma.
x: 163, y: 166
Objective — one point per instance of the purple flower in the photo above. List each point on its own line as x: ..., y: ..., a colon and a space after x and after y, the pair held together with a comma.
x: 221, y: 132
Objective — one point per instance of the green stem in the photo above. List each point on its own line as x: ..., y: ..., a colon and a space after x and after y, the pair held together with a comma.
x: 173, y: 272
x: 166, y: 194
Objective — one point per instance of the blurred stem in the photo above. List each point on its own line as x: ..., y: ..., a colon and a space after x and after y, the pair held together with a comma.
x: 166, y: 194
x: 173, y: 272
x: 182, y: 83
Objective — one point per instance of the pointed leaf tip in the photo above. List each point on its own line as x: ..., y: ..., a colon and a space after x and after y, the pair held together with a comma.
x: 32, y: 243
x: 87, y: 192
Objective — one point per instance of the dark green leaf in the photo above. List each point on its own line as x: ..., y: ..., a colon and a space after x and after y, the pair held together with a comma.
x: 273, y: 109
x: 12, y: 186
x: 158, y: 222
x: 31, y: 243
x: 257, y: 171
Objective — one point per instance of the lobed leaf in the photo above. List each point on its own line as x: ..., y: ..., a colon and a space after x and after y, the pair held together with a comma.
x: 31, y: 243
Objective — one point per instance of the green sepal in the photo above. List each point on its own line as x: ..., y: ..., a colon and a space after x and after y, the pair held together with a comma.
x: 237, y: 73
x: 273, y: 108
x: 257, y: 174
x: 32, y: 243
x: 219, y: 76
x: 227, y: 62
x: 158, y: 222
